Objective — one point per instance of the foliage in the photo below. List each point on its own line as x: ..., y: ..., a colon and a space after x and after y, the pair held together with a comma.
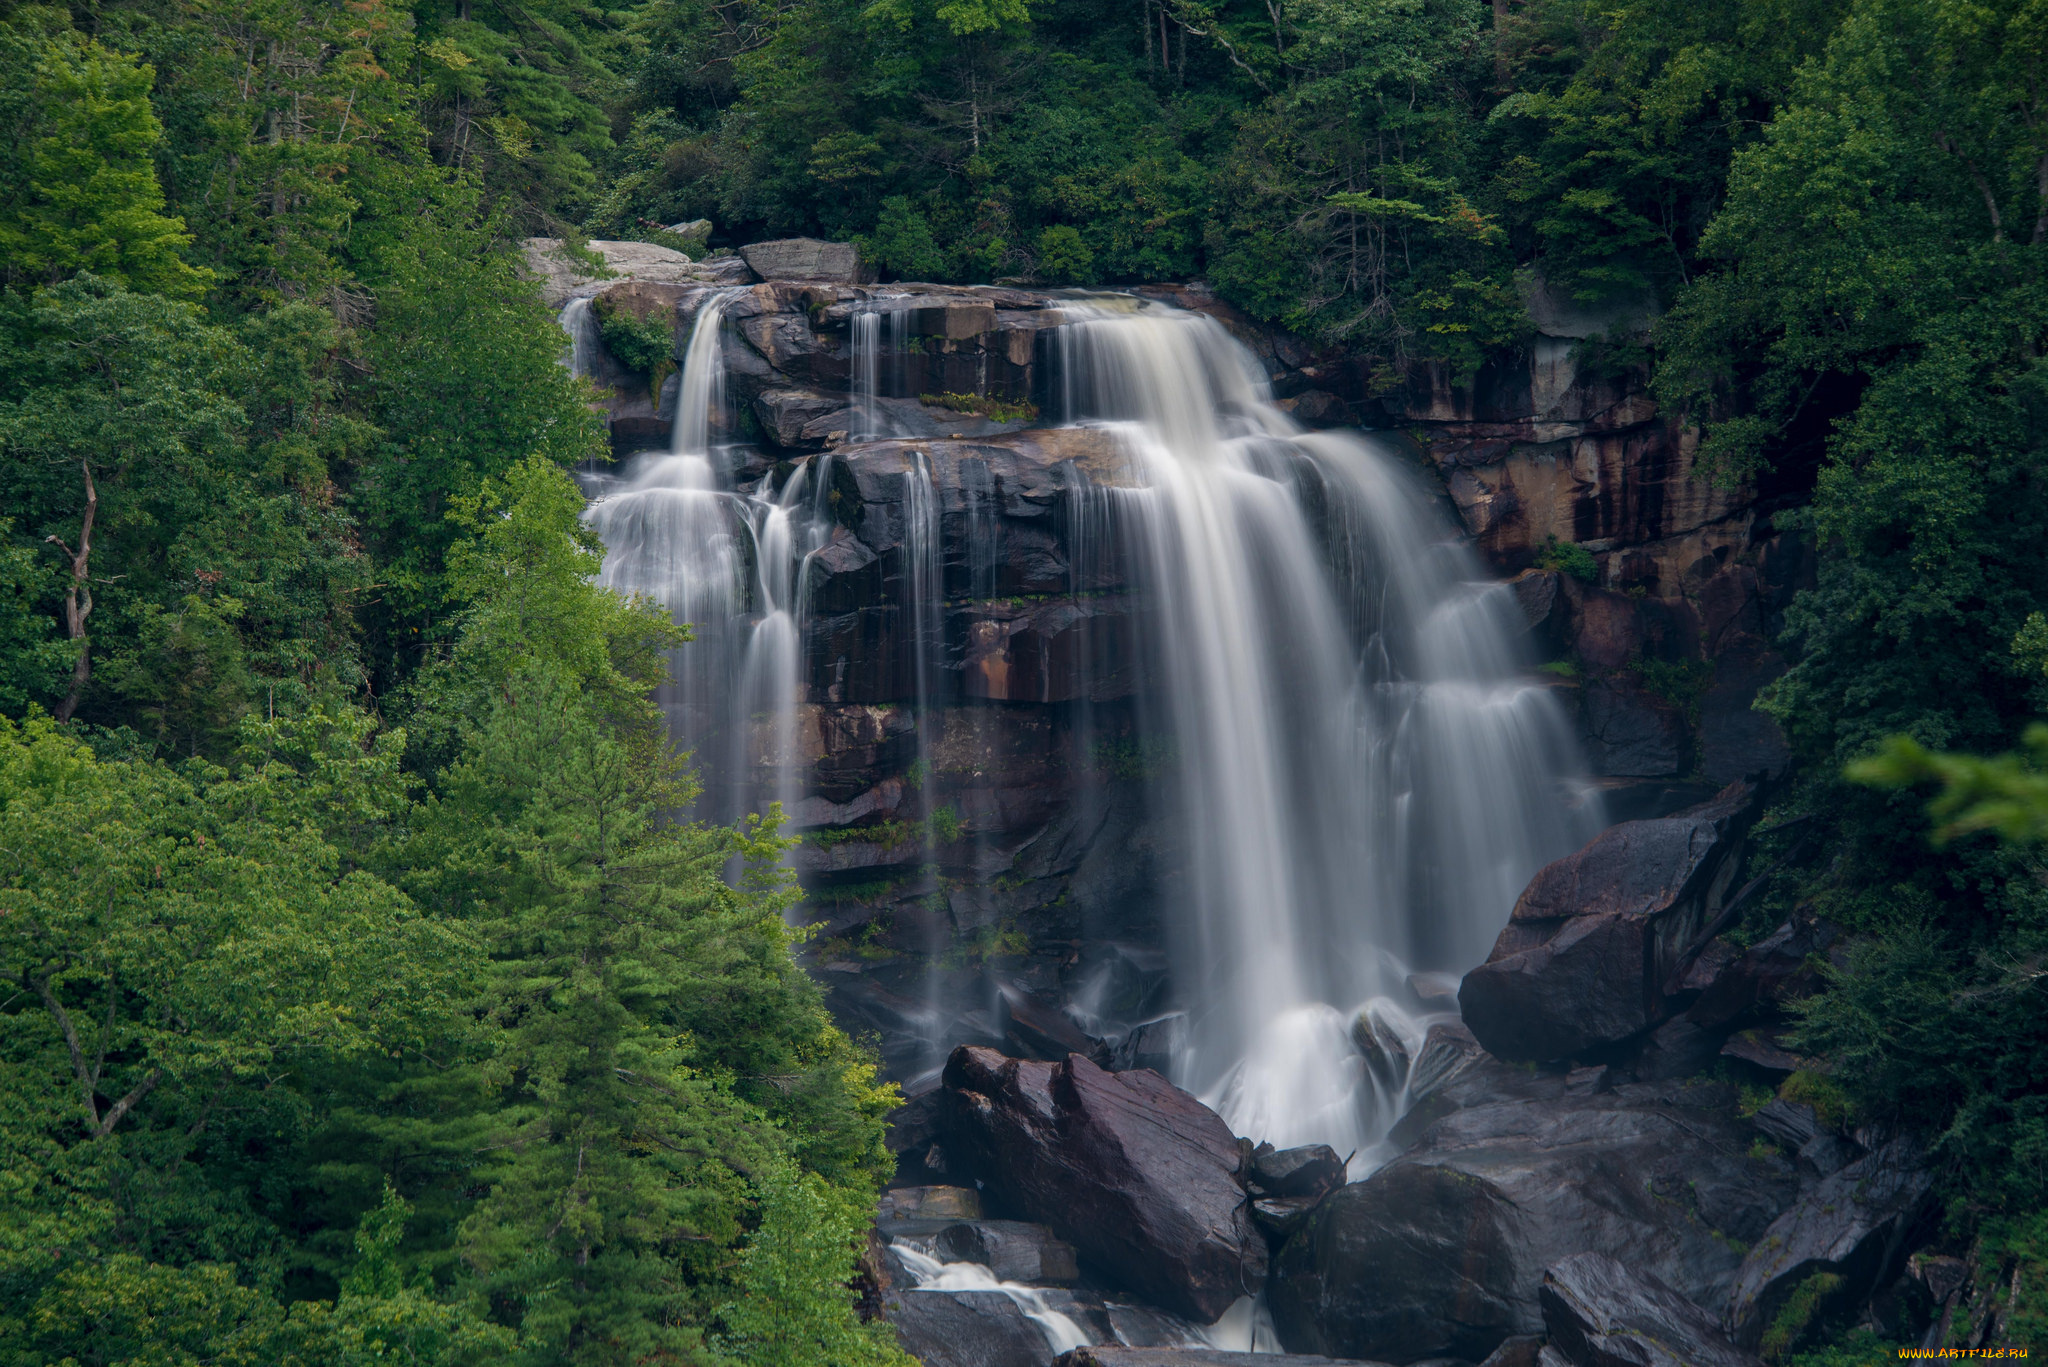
x: 1568, y: 557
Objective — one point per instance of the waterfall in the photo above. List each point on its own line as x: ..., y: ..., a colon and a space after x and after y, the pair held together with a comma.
x: 1332, y: 706
x: 675, y: 530
x: 580, y: 323
x: 1365, y: 774
x: 1061, y: 1333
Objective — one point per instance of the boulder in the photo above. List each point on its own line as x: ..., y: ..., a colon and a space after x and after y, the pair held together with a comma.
x: 1036, y: 1030
x: 805, y: 258
x: 1847, y: 1235
x: 1139, y: 1176
x: 788, y: 415
x: 1601, y: 1314
x: 1517, y: 1350
x: 1151, y: 1044
x: 964, y: 1328
x: 1441, y: 1252
x: 1780, y: 968
x: 1012, y: 1249
x: 1592, y: 940
x: 1313, y: 1170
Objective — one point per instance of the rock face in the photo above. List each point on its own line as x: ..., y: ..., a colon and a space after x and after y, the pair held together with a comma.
x: 964, y: 1328
x: 805, y: 258
x: 1846, y: 1237
x: 1190, y: 1357
x: 1140, y: 1177
x: 1601, y: 1314
x: 1441, y: 1252
x: 1596, y: 937
x: 561, y: 277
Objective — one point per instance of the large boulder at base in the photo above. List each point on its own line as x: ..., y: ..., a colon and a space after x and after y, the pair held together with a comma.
x: 1853, y: 1228
x: 1139, y: 1176
x: 805, y: 258
x: 1595, y: 936
x: 1441, y: 1252
x: 1601, y: 1314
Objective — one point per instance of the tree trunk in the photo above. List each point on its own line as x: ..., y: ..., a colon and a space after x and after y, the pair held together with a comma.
x: 78, y: 599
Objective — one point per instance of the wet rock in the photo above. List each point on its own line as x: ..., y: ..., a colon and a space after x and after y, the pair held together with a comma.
x: 1311, y: 1170
x: 1594, y: 937
x: 787, y: 415
x: 1762, y: 1048
x: 1777, y: 969
x: 1853, y: 1230
x: 930, y: 1203
x: 964, y: 1328
x: 1385, y: 1051
x: 1015, y: 1250
x: 1630, y: 733
x: 1036, y: 1030
x: 1447, y: 1050
x: 1517, y: 1350
x: 1601, y: 1314
x: 804, y: 258
x: 1676, y: 1049
x: 1789, y: 1124
x: 1279, y: 1217
x: 1140, y: 1177
x: 1192, y: 1357
x: 1152, y: 1044
x: 1441, y: 1252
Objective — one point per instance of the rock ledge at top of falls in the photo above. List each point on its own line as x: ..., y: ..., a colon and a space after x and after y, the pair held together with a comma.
x: 807, y: 259
x: 1142, y: 1179
x: 1596, y: 937
x: 562, y: 278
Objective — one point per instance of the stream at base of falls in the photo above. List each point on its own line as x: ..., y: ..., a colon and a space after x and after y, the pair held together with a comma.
x: 1364, y: 766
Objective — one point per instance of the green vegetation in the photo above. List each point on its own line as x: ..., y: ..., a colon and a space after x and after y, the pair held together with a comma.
x: 300, y: 658
x: 646, y: 345
x: 981, y: 405
x: 1568, y: 557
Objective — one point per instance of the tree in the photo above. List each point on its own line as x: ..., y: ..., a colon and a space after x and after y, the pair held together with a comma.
x: 95, y: 204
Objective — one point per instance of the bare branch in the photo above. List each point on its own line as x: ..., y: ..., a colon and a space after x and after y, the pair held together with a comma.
x: 63, y: 1018
x: 78, y: 599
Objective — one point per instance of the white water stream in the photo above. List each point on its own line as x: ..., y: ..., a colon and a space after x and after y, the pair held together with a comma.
x: 1364, y: 769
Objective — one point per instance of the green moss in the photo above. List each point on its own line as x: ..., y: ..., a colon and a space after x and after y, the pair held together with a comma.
x: 981, y: 405
x: 1563, y: 669
x: 885, y: 833
x: 946, y: 825
x: 1567, y: 557
x: 1798, y: 1315
x: 1679, y: 682
x: 1828, y: 1100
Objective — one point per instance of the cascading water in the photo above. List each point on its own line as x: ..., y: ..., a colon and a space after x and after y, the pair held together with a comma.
x: 1365, y: 775
x: 675, y: 530
x: 580, y: 323
x: 1329, y: 688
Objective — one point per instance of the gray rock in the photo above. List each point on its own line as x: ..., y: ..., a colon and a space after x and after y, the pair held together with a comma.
x: 1193, y: 1357
x: 964, y: 1329
x: 805, y: 258
x: 1310, y: 1170
x: 789, y: 415
x: 1595, y: 936
x: 1152, y: 1044
x: 1012, y: 1249
x: 1601, y: 1314
x: 1140, y: 1177
x: 1441, y: 1252
x: 1855, y: 1226
x: 1517, y: 1350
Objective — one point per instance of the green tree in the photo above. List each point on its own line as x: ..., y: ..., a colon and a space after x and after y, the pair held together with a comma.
x: 94, y: 203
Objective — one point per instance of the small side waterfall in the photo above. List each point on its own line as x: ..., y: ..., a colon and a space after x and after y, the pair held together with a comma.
x: 723, y: 562
x: 581, y: 324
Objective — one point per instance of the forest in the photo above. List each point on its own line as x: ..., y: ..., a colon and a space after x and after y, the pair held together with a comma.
x: 364, y: 999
